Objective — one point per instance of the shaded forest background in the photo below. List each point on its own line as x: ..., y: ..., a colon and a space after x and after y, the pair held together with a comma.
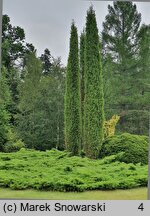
x: 32, y: 88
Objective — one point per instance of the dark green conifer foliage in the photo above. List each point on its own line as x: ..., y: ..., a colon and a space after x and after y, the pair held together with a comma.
x: 94, y: 99
x: 72, y: 97
x: 5, y: 100
x: 82, y: 72
x: 123, y: 72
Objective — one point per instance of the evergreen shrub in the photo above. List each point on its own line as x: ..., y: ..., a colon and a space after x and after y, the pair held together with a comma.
x: 29, y: 169
x: 135, y: 148
x: 13, y: 147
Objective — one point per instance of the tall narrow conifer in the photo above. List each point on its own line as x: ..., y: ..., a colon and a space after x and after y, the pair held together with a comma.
x: 94, y: 100
x: 72, y: 97
x: 82, y: 72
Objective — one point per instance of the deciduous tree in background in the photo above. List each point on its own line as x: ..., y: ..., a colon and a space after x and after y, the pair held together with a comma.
x: 5, y: 99
x: 40, y: 117
x: 28, y: 92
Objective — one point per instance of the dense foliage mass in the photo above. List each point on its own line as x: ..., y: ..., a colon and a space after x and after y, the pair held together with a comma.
x: 31, y: 94
x: 35, y: 115
x: 5, y: 98
x: 32, y: 89
x: 73, y: 97
x: 94, y: 98
x: 82, y: 75
x: 126, y: 53
x: 56, y: 170
x: 134, y: 148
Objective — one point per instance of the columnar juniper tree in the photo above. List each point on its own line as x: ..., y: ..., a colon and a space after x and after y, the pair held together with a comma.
x: 72, y: 97
x: 82, y: 71
x: 94, y: 100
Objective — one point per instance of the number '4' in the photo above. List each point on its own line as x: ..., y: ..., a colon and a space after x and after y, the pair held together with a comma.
x: 141, y: 207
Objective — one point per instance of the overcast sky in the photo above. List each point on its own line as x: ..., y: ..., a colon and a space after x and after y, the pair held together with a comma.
x: 47, y: 22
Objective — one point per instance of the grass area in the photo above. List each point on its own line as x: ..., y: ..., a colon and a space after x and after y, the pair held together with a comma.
x: 59, y: 171
x: 133, y: 194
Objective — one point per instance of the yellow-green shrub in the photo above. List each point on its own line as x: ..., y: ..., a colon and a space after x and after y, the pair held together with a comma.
x: 110, y: 126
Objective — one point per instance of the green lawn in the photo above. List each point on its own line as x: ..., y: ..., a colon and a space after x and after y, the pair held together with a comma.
x: 133, y: 194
